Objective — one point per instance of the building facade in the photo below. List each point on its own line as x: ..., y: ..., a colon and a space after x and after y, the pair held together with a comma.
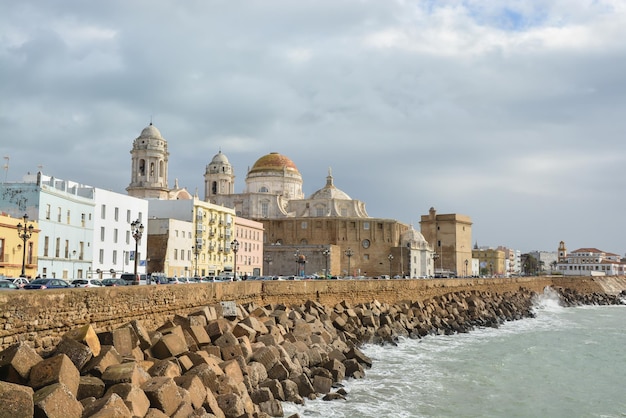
x: 83, y: 230
x: 451, y: 236
x: 249, y: 256
x: 13, y: 253
x: 589, y: 262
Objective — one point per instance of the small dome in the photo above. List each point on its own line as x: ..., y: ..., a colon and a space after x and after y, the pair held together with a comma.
x: 220, y: 159
x: 330, y: 191
x: 150, y: 131
x: 413, y: 235
x: 273, y: 162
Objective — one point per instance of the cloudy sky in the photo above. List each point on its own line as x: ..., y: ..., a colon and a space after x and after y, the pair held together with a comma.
x: 512, y: 112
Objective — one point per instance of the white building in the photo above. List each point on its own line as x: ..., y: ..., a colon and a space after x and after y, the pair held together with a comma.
x: 589, y: 262
x: 84, y: 231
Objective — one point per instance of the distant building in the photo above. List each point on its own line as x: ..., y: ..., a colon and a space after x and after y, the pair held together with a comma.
x: 546, y: 260
x: 589, y: 262
x: 84, y: 231
x: 491, y: 261
x: 12, y: 250
x: 451, y: 237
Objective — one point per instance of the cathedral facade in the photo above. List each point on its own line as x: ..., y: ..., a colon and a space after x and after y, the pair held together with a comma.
x: 332, y: 231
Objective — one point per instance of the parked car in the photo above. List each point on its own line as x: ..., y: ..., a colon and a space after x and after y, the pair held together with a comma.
x: 8, y: 285
x: 20, y: 281
x: 41, y: 284
x: 131, y: 278
x: 115, y: 282
x: 86, y: 283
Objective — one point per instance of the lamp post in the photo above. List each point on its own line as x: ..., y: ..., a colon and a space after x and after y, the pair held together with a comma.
x: 435, y: 257
x: 24, y: 232
x: 491, y: 269
x: 235, y: 246
x: 268, y: 260
x: 136, y: 228
x: 466, y: 263
x: 390, y: 258
x: 196, y: 252
x: 326, y: 254
x: 349, y: 253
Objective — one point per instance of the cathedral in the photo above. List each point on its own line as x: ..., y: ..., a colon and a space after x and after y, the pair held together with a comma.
x: 326, y: 232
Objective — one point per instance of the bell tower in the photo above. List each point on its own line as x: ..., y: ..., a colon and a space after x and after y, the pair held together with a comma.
x: 149, y: 157
x: 219, y: 178
x: 562, y: 252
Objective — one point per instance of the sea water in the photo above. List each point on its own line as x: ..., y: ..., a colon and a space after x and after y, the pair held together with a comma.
x: 565, y: 362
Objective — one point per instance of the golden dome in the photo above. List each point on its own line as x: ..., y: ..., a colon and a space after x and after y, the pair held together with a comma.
x: 273, y: 162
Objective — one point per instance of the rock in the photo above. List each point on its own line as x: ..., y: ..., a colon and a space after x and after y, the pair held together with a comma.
x: 56, y: 401
x: 16, y: 363
x: 56, y: 369
x: 16, y: 400
x: 163, y: 394
x: 134, y: 398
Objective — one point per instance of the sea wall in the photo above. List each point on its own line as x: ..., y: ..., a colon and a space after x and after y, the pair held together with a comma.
x: 42, y: 317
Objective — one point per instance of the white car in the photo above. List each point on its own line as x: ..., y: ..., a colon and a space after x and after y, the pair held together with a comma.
x: 86, y: 283
x: 20, y: 281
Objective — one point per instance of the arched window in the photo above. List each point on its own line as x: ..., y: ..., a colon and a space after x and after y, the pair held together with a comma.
x: 161, y: 170
x: 263, y: 189
x: 142, y: 167
x: 151, y: 169
x: 214, y: 187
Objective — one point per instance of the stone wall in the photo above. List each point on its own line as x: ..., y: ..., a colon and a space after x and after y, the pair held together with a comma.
x: 41, y: 317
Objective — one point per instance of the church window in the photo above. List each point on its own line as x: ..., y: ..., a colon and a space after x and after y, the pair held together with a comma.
x: 366, y: 225
x: 304, y: 225
x: 142, y: 167
x: 344, y: 212
x: 263, y: 189
x: 161, y: 171
x: 151, y: 169
x: 265, y: 209
x: 214, y: 188
x: 320, y: 211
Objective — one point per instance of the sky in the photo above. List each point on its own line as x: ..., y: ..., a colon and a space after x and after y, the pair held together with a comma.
x: 511, y: 112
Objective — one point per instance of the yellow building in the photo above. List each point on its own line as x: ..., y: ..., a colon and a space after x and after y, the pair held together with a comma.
x: 491, y: 261
x: 13, y: 254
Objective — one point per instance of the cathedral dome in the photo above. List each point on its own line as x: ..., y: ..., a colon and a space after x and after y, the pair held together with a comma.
x: 150, y: 131
x: 413, y: 236
x: 274, y: 162
x: 330, y: 191
x: 220, y: 158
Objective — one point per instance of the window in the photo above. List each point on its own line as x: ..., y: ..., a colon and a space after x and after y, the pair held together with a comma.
x: 115, y: 235
x: 263, y: 189
x: 103, y: 212
x: 175, y: 254
x: 128, y: 216
x: 59, y: 214
x: 1, y: 249
x: 46, y: 243
x: 67, y: 249
x: 127, y: 237
x: 68, y: 216
x: 320, y: 211
x: 57, y: 249
x: 114, y: 256
x: 265, y: 209
x: 101, y: 233
x: 82, y: 219
x: 366, y: 225
x: 101, y: 256
x: 304, y: 225
x: 48, y: 211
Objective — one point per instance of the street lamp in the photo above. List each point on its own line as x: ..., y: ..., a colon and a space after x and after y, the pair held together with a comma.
x: 24, y: 232
x: 326, y: 254
x: 466, y: 262
x: 136, y: 228
x: 268, y: 260
x: 390, y: 258
x: 349, y: 253
x: 235, y: 246
x: 435, y: 258
x: 196, y: 252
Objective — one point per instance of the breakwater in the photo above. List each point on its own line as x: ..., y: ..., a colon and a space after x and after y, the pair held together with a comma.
x: 239, y: 360
x: 42, y: 317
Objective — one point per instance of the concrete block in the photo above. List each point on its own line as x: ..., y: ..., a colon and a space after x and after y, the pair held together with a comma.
x: 16, y: 363
x: 242, y: 329
x: 231, y: 351
x: 226, y: 339
x: 199, y: 334
x: 90, y: 386
x: 57, y: 369
x: 125, y: 373
x: 197, y: 391
x: 268, y: 356
x: 322, y: 384
x: 76, y: 351
x: 123, y: 339
x: 56, y: 401
x: 167, y: 368
x: 133, y: 396
x: 231, y: 404
x: 207, y: 375
x: 163, y: 394
x: 16, y: 400
x: 97, y: 365
x: 231, y: 368
x: 272, y: 408
x: 85, y: 335
x: 211, y: 405
x: 170, y: 345
x: 109, y: 406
